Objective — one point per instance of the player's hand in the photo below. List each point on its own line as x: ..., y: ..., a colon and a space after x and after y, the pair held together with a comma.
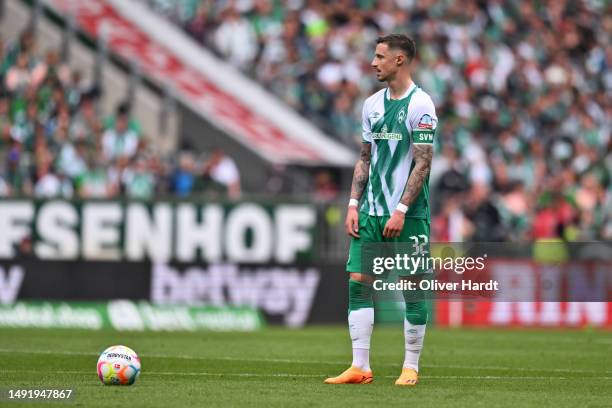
x: 351, y: 224
x: 395, y: 225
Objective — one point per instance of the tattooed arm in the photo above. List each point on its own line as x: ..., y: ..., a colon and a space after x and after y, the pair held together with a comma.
x: 423, y: 154
x: 360, y: 181
x: 362, y: 171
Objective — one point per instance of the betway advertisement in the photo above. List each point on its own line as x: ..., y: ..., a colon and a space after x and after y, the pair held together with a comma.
x: 168, y: 253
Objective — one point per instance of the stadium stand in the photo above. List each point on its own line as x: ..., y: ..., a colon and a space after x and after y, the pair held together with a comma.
x: 55, y: 143
x: 522, y: 90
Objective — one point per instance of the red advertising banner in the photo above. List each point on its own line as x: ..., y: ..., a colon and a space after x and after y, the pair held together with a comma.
x: 526, y: 314
x: 524, y: 299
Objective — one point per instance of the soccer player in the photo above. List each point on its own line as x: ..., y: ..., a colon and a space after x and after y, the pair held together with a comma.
x: 389, y: 198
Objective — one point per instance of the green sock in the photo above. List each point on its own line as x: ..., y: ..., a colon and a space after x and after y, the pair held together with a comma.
x: 360, y: 295
x: 417, y: 312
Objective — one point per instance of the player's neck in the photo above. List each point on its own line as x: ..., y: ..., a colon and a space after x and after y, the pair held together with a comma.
x: 399, y: 85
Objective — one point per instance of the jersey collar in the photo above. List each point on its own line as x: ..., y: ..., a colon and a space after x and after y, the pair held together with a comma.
x: 410, y: 89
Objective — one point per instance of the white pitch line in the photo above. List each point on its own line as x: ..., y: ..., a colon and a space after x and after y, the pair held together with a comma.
x: 66, y: 353
x: 293, y: 375
x: 460, y: 367
x: 292, y: 361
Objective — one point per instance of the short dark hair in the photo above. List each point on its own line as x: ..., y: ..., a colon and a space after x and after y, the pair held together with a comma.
x: 401, y: 42
x: 124, y: 108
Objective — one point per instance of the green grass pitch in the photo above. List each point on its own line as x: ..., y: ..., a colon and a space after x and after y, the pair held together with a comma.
x: 280, y: 367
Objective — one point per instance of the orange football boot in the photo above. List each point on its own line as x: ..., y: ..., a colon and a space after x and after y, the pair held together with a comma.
x: 352, y: 375
x: 409, y: 377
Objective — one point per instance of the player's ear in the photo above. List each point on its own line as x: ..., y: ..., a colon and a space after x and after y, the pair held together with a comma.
x: 400, y: 59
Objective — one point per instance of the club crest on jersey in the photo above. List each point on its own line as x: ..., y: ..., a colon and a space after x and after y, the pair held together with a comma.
x: 401, y: 116
x: 426, y: 123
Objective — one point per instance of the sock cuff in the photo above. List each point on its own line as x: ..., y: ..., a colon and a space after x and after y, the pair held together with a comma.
x: 360, y: 295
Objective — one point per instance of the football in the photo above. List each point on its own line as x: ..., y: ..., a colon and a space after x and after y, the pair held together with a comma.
x: 118, y: 365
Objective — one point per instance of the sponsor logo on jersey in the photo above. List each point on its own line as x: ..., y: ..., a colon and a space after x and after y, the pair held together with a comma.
x: 386, y: 135
x: 374, y: 117
x: 426, y: 123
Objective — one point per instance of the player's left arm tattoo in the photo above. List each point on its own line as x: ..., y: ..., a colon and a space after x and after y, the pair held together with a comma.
x: 361, y: 173
x: 423, y: 154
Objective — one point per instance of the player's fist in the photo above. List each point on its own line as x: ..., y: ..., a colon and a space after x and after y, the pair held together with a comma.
x: 394, y: 225
x: 351, y: 224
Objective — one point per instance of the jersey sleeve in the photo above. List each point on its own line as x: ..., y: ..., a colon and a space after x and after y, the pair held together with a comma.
x: 423, y: 120
x: 366, y: 135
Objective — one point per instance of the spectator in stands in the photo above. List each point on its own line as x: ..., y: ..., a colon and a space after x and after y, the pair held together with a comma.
x: 183, y: 179
x: 75, y: 89
x: 49, y: 184
x: 484, y: 215
x: 120, y: 140
x: 235, y: 39
x: 52, y: 67
x: 325, y: 188
x: 115, y: 175
x: 5, y: 121
x: 85, y: 122
x: 343, y: 119
x: 72, y: 158
x: 20, y: 76
x: 200, y: 26
x: 222, y: 170
x: 451, y: 224
x: 25, y: 45
x: 94, y: 183
x: 266, y: 21
x: 17, y: 168
x: 138, y: 180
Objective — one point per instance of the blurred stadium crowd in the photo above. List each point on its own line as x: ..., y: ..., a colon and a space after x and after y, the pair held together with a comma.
x: 522, y: 91
x: 54, y: 141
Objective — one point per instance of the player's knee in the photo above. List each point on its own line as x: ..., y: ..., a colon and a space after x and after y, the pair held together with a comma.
x: 361, y: 277
x: 360, y: 295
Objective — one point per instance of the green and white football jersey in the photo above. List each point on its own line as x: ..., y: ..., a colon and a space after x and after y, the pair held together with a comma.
x: 393, y: 127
